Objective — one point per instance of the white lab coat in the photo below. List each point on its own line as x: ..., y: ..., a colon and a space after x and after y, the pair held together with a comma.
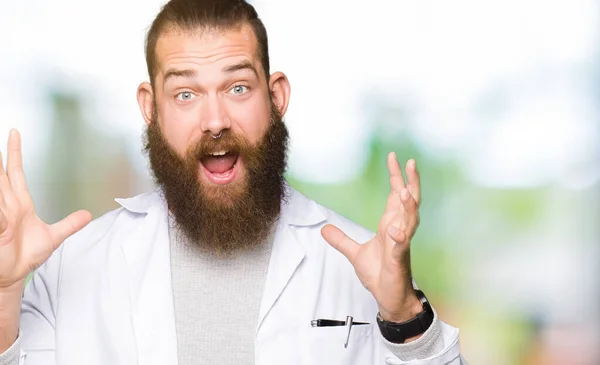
x: 105, y: 297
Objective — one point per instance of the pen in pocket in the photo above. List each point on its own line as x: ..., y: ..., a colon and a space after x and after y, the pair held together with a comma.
x: 332, y: 323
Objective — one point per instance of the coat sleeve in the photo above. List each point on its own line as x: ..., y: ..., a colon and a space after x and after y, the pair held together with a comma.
x: 38, y: 313
x: 12, y: 356
x: 439, y: 345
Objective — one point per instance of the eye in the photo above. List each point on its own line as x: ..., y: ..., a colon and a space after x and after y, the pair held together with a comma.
x: 185, y: 96
x: 238, y: 89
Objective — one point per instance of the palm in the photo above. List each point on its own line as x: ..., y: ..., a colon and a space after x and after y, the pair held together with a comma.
x: 24, y: 245
x: 25, y: 240
x: 383, y: 263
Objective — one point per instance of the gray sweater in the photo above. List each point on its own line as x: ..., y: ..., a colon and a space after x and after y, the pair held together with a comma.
x: 217, y: 301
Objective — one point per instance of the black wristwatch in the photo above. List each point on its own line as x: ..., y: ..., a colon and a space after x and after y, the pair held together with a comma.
x: 399, y: 332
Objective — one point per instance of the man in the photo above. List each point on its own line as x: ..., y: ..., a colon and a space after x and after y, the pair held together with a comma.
x: 224, y: 263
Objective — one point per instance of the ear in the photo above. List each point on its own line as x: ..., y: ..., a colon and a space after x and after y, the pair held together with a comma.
x: 145, y: 98
x: 280, y: 91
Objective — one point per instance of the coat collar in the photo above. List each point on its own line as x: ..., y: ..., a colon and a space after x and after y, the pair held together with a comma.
x: 142, y: 203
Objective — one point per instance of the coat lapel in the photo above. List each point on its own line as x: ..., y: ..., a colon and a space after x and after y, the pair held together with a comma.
x: 286, y: 256
x: 288, y: 252
x: 149, y: 275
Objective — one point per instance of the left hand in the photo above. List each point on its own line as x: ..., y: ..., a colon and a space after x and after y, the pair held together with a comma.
x: 383, y: 263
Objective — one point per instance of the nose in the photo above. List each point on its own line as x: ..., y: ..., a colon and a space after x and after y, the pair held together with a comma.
x: 215, y: 118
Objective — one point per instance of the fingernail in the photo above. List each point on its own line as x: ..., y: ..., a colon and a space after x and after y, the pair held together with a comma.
x: 412, y: 163
x: 394, y: 231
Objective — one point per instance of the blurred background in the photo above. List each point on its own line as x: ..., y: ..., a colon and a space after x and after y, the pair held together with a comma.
x: 498, y: 101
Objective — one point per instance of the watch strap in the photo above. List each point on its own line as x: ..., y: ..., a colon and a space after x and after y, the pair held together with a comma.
x: 399, y: 332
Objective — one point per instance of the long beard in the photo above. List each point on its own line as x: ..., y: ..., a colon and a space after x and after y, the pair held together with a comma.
x: 224, y: 219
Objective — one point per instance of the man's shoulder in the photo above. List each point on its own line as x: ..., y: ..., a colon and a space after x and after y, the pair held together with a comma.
x: 129, y: 210
x: 353, y: 229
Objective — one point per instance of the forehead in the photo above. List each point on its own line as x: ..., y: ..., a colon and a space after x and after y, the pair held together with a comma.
x: 206, y: 47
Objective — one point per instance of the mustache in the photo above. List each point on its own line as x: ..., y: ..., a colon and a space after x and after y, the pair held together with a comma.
x: 228, y: 141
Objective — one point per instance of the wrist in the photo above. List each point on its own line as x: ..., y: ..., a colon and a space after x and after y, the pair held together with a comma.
x: 13, y: 289
x: 409, y: 310
x: 10, y: 312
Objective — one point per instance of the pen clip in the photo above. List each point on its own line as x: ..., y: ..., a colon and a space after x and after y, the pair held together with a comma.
x: 349, y: 321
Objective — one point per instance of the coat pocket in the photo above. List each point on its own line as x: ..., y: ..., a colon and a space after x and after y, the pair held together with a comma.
x: 326, y: 345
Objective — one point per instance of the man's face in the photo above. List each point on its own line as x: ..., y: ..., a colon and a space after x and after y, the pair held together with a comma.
x: 210, y: 83
x: 224, y: 193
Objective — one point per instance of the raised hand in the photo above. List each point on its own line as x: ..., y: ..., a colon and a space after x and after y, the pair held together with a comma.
x: 26, y: 241
x: 383, y: 263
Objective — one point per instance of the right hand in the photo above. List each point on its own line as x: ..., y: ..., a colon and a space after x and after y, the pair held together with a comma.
x: 26, y: 241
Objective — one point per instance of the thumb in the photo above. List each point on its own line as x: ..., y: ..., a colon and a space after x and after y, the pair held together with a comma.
x: 61, y: 230
x: 340, y: 241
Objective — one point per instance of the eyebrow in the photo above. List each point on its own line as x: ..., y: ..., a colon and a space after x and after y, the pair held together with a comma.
x: 171, y: 73
x: 189, y: 73
x: 244, y: 65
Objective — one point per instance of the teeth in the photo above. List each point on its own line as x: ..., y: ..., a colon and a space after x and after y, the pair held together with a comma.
x: 220, y: 153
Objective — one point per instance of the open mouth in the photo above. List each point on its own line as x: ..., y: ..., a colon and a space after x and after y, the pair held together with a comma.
x: 220, y: 166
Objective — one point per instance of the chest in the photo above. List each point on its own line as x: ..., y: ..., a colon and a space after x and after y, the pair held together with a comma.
x: 128, y: 314
x: 216, y: 303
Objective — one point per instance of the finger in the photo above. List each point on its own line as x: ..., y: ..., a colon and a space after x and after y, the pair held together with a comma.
x: 414, y: 180
x: 411, y: 212
x: 6, y: 197
x: 397, y: 234
x: 393, y: 204
x: 400, y: 253
x: 4, y: 184
x: 396, y: 183
x: 14, y: 166
x: 340, y: 241
x: 71, y: 224
x: 396, y: 178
